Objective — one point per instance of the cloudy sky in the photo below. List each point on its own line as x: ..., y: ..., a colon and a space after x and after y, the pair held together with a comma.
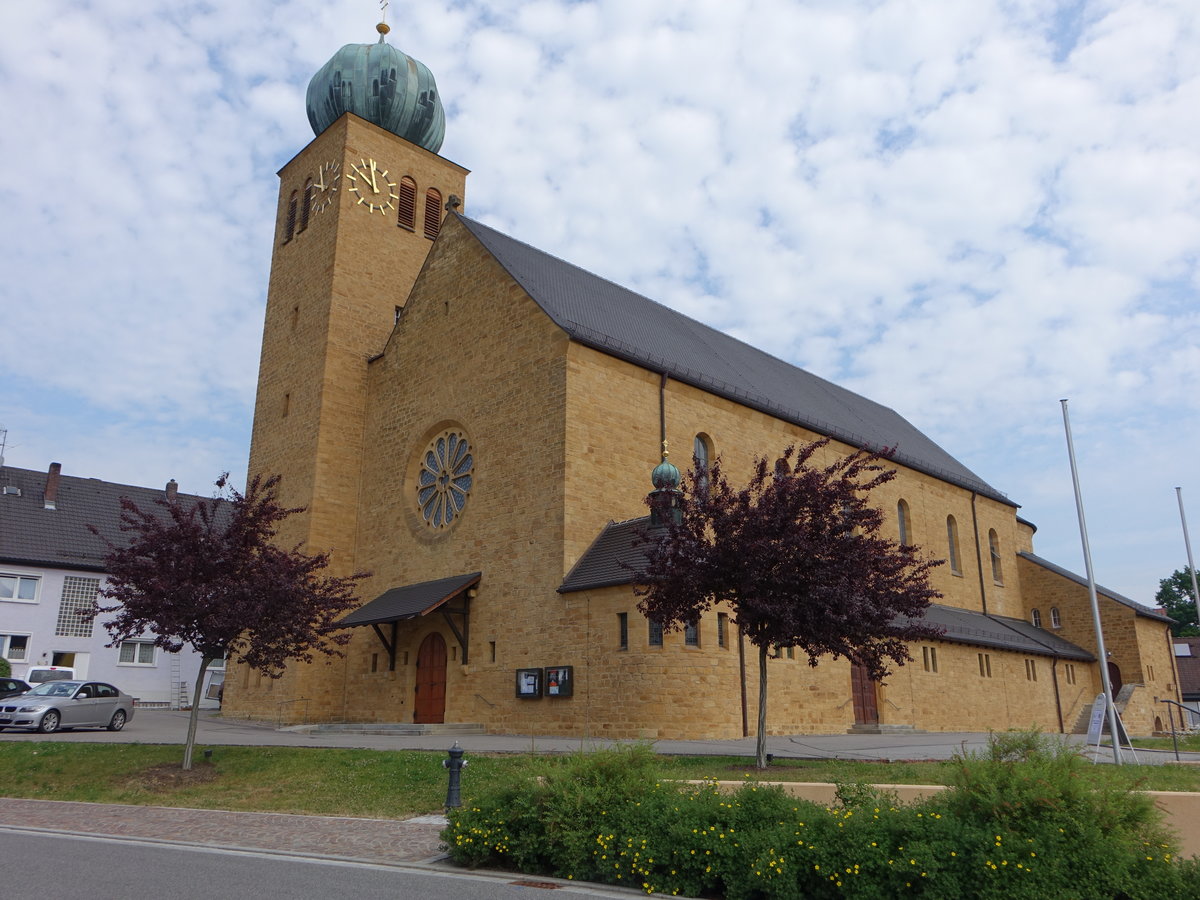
x: 964, y: 210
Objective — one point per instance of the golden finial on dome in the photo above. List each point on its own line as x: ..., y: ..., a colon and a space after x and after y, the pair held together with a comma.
x: 666, y: 452
x: 383, y: 27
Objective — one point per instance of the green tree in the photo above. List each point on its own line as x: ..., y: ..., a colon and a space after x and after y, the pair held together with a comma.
x: 1175, y: 596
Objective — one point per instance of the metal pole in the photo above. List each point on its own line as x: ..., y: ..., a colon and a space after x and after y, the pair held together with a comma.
x: 1187, y: 543
x: 1087, y: 561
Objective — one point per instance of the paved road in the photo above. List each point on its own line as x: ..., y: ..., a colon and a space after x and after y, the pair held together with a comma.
x: 76, y: 867
x: 155, y: 726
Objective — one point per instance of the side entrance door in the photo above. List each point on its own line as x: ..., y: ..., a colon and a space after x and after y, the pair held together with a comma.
x: 863, y: 690
x: 429, y: 704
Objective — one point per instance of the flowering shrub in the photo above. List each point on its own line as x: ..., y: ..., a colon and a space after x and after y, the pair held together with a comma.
x: 1017, y: 825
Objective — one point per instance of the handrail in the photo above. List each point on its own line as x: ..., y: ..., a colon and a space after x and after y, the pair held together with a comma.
x: 279, y: 711
x: 1174, y: 739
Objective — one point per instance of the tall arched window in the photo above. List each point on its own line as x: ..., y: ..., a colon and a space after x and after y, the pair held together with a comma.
x: 702, y: 457
x: 1055, y: 618
x: 903, y: 521
x: 406, y: 204
x: 1035, y: 616
x: 952, y: 541
x: 994, y: 550
x: 289, y: 228
x: 433, y: 213
x: 306, y: 204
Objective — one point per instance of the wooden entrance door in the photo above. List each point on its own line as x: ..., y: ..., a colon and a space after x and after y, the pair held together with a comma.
x: 429, y: 705
x: 1114, y: 679
x: 863, y: 690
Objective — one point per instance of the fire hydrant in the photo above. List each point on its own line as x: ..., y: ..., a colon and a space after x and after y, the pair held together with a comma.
x: 455, y: 764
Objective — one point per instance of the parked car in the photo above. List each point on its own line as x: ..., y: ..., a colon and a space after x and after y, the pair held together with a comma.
x: 38, y: 674
x: 11, y: 686
x: 67, y: 704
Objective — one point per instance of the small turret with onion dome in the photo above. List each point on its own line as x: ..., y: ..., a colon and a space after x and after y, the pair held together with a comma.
x: 379, y: 83
x: 666, y: 500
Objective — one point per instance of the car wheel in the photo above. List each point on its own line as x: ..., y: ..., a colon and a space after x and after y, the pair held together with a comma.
x: 50, y: 722
x: 118, y: 721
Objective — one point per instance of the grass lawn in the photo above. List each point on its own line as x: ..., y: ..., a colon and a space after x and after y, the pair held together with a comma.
x: 394, y: 784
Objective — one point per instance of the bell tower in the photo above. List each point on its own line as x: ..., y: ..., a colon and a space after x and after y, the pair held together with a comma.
x: 359, y: 208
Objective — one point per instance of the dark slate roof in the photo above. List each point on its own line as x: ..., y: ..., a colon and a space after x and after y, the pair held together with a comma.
x: 32, y: 535
x: 1138, y: 608
x: 410, y: 601
x: 964, y: 626
x: 1189, y: 667
x: 611, y: 560
x: 617, y: 321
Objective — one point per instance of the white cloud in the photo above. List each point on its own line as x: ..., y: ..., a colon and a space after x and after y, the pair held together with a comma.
x: 965, y: 211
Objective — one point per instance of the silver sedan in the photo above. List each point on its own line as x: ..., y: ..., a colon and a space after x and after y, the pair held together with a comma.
x: 67, y: 704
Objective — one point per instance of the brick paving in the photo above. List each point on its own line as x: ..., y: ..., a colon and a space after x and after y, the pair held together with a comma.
x: 377, y: 840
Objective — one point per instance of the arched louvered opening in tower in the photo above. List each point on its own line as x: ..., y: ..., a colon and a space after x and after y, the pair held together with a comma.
x: 289, y: 228
x: 433, y: 213
x: 406, y: 204
x: 306, y: 204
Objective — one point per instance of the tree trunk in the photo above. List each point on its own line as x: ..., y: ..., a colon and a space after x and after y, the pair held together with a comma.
x: 191, y: 735
x: 761, y: 749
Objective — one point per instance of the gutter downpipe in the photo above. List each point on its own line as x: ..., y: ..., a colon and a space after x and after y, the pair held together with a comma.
x: 978, y: 553
x: 1057, y: 698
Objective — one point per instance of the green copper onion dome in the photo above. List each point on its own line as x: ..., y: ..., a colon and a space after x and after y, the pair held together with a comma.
x: 382, y: 85
x: 665, y: 476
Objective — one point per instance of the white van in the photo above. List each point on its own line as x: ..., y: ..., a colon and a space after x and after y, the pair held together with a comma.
x: 39, y: 674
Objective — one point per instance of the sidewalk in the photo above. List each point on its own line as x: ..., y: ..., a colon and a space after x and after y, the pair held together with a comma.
x: 371, y: 840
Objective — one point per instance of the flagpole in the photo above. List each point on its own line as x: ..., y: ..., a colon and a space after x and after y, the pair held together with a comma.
x: 1087, y: 561
x: 1187, y: 543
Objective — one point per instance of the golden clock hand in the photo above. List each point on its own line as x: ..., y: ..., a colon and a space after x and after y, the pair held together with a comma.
x: 374, y: 186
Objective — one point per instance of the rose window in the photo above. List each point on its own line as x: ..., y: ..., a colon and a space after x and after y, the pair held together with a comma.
x: 445, y: 478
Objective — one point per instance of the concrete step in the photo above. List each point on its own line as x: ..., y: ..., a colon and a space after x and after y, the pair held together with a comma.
x: 884, y: 729
x: 397, y: 728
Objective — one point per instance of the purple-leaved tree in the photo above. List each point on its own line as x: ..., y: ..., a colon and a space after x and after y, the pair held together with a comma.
x: 797, y: 558
x: 206, y: 574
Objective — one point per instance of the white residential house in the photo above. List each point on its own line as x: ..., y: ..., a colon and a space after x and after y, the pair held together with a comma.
x: 51, y: 568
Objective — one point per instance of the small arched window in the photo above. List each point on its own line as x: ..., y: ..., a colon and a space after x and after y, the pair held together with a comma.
x: 306, y: 204
x: 406, y: 204
x: 994, y: 550
x: 1055, y: 619
x: 952, y: 542
x: 289, y: 228
x: 902, y: 520
x: 1035, y: 616
x: 433, y: 213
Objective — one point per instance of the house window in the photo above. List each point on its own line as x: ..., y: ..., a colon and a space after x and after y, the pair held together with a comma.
x: 994, y: 550
x: 952, y: 541
x: 1070, y: 673
x: 722, y: 629
x: 75, y: 610
x: 137, y: 653
x: 985, y: 665
x: 1055, y: 619
x: 1149, y: 673
x: 791, y: 652
x: 1030, y: 670
x: 1035, y: 616
x: 656, y: 634
x: 433, y: 213
x: 289, y: 228
x: 929, y: 657
x: 903, y: 521
x: 19, y: 588
x: 691, y: 634
x: 14, y: 647
x: 406, y: 204
x: 623, y: 631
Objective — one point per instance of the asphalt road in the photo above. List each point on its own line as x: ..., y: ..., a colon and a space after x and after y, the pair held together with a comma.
x: 73, y: 867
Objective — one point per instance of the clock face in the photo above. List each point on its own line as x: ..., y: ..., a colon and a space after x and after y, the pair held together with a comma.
x: 371, y: 186
x: 326, y: 186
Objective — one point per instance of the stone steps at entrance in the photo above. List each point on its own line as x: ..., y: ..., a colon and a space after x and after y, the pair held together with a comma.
x: 884, y: 729
x: 389, y: 728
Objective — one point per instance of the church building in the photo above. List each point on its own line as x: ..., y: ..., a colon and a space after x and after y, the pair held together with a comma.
x: 474, y: 422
